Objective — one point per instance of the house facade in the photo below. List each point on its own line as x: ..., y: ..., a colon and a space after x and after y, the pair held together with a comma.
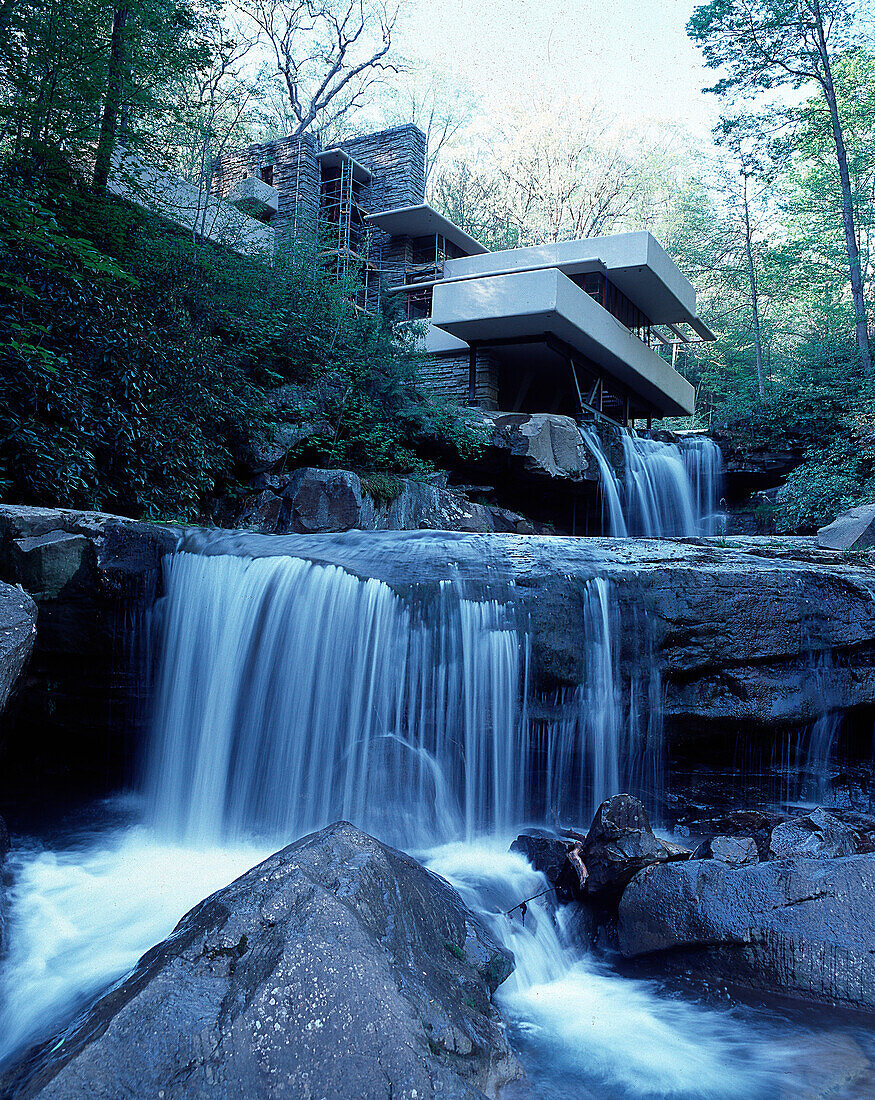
x: 590, y: 328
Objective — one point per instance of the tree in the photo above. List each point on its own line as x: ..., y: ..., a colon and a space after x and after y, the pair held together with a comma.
x: 436, y: 105
x: 811, y: 194
x: 763, y: 44
x: 74, y: 75
x: 568, y: 172
x: 327, y: 53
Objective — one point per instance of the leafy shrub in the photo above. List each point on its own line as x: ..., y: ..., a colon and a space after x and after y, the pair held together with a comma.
x: 138, y: 365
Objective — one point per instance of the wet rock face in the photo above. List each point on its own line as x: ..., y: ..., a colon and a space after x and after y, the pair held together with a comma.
x: 620, y: 842
x: 734, y: 850
x: 86, y: 572
x: 546, y: 852
x: 818, y: 835
x: 17, y: 636
x: 802, y: 927
x: 339, y: 967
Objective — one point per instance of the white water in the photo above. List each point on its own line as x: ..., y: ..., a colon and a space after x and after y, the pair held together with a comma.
x: 586, y: 1031
x: 613, y: 520
x: 294, y: 694
x: 668, y: 489
x: 609, y: 739
x: 81, y: 917
x: 290, y: 694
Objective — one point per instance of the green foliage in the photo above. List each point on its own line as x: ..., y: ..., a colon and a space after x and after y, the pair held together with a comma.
x: 137, y: 366
x: 833, y: 478
x: 54, y: 68
x: 110, y: 397
x: 382, y: 488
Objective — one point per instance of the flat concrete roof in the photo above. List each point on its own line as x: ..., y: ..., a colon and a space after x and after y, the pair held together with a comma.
x: 333, y: 158
x: 424, y: 221
x: 530, y: 304
x: 634, y: 262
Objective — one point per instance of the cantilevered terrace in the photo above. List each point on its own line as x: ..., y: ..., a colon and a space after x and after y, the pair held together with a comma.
x: 587, y: 326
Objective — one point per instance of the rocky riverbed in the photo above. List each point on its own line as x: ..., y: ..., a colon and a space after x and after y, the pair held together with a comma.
x: 725, y: 645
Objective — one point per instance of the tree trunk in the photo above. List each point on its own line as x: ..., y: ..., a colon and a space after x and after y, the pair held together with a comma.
x: 754, y: 298
x: 115, y: 82
x: 860, y: 315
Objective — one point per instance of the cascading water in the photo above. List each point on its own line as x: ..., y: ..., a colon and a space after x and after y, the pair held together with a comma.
x: 294, y: 694
x: 613, y: 520
x: 609, y: 739
x: 291, y: 693
x: 669, y: 489
x: 704, y: 465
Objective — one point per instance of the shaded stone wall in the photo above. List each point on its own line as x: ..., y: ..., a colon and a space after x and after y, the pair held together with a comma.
x: 295, y: 176
x: 447, y: 376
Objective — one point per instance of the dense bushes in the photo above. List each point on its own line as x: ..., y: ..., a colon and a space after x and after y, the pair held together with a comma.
x: 137, y: 365
x: 820, y: 406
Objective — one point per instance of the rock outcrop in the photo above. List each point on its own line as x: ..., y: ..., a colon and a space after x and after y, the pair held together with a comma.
x: 17, y: 636
x: 87, y: 572
x: 852, y: 530
x: 337, y: 968
x: 619, y: 844
x: 313, y: 501
x: 796, y: 927
x: 594, y: 869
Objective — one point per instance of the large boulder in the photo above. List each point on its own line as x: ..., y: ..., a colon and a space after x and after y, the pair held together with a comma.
x: 818, y: 835
x: 317, y: 501
x: 621, y: 842
x: 337, y: 968
x: 17, y: 635
x: 542, y: 445
x: 799, y: 927
x: 852, y: 530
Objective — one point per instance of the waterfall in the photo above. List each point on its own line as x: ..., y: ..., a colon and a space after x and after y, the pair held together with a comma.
x: 613, y: 521
x: 610, y: 740
x: 292, y: 694
x: 669, y: 489
x: 704, y: 465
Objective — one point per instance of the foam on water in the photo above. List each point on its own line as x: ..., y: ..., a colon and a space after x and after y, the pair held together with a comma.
x: 81, y: 917
x: 585, y: 1030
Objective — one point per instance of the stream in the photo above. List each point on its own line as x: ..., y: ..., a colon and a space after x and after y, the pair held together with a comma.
x: 288, y: 694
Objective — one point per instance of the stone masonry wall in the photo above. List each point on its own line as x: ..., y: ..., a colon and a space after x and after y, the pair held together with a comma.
x: 295, y: 176
x: 397, y: 159
x: 447, y: 376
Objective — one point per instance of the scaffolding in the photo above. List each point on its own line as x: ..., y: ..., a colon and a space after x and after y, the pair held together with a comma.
x: 344, y: 239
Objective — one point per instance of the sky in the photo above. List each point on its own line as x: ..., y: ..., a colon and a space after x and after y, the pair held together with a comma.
x: 632, y: 55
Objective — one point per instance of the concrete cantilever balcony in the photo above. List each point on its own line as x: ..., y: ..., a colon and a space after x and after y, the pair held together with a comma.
x: 525, y: 305
x: 254, y: 197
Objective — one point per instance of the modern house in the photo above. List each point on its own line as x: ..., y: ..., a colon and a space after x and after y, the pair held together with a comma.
x: 588, y: 327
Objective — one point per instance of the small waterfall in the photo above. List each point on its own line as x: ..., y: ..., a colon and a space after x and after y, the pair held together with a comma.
x: 611, y: 739
x: 669, y: 489
x: 292, y: 694
x: 704, y: 465
x: 613, y: 520
x: 659, y: 495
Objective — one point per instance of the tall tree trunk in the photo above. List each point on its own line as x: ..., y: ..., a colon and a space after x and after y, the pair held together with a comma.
x: 860, y: 315
x: 115, y: 83
x: 754, y: 296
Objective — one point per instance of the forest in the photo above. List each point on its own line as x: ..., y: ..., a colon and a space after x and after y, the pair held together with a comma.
x: 136, y: 363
